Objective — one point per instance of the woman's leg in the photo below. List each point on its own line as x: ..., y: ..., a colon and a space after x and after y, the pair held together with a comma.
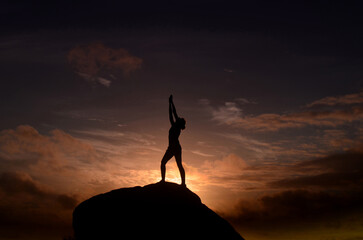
x: 167, y: 156
x: 178, y: 158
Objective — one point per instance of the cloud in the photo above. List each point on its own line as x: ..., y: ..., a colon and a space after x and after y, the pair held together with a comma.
x: 228, y: 70
x: 231, y: 170
x: 95, y: 61
x: 295, y: 207
x: 68, y: 163
x: 327, y: 118
x: 18, y: 184
x: 250, y: 143
x: 26, y: 147
x: 32, y: 207
x: 197, y: 152
x: 58, y: 160
x: 338, y: 138
x: 204, y: 102
x: 245, y: 101
x: 229, y: 113
x: 124, y: 139
x: 228, y: 164
x: 104, y: 81
x: 354, y: 98
x: 232, y: 114
x: 41, y: 173
x: 337, y: 171
x: 324, y: 190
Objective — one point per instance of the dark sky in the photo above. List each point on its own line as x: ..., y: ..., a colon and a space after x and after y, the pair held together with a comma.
x: 310, y: 50
x: 271, y: 90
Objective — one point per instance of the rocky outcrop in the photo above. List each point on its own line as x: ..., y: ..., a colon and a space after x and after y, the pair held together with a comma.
x: 156, y: 211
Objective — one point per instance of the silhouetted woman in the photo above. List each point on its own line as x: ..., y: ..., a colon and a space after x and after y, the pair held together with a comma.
x: 174, y: 148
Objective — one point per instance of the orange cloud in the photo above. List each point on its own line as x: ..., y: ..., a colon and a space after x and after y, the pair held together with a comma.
x: 352, y: 110
x: 95, y: 62
x: 273, y: 122
x: 354, y: 98
x: 234, y: 173
x: 58, y: 160
x: 27, y: 147
x: 230, y: 165
x: 70, y: 164
x: 41, y: 173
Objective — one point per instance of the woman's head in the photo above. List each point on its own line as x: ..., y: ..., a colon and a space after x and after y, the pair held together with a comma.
x: 180, y: 122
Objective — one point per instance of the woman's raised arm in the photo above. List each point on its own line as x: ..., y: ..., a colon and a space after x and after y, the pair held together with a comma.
x: 173, y: 107
x: 170, y: 113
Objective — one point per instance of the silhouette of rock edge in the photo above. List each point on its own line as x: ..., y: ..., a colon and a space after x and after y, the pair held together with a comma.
x: 156, y: 211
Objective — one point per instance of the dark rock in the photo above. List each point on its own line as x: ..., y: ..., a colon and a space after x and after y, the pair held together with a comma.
x: 157, y: 211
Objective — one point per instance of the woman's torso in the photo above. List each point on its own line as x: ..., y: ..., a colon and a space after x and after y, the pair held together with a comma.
x: 174, y: 133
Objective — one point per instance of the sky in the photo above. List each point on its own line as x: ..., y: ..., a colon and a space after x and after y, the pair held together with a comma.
x: 272, y: 93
